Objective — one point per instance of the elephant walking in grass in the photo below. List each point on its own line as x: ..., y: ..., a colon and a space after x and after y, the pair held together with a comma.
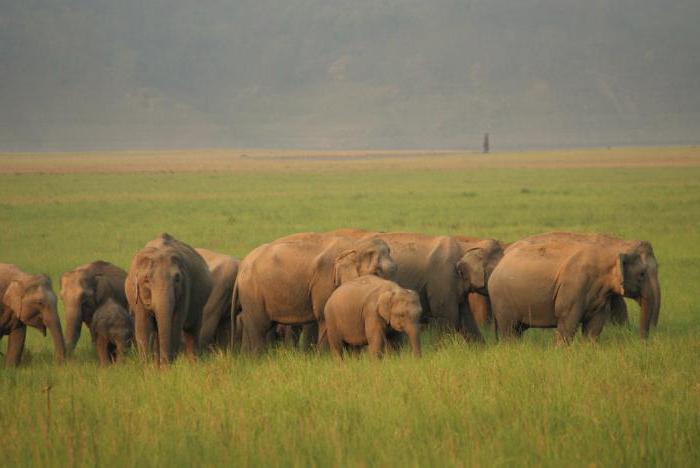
x: 216, y: 316
x: 561, y: 280
x: 27, y: 300
x: 112, y: 330
x: 84, y: 289
x: 288, y: 281
x: 443, y: 271
x: 362, y: 311
x: 167, y: 286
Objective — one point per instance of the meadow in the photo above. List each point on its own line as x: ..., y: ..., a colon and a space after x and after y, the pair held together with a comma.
x: 620, y: 402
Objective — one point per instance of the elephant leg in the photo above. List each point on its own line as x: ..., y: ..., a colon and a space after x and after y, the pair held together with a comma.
x: 15, y: 346
x: 112, y: 351
x: 255, y: 329
x: 376, y: 343
x: 567, y: 325
x: 309, y: 336
x: 101, y: 346
x: 508, y: 329
x: 618, y: 311
x: 468, y: 326
x: 335, y: 344
x: 121, y: 347
x: 222, y: 337
x: 594, y: 326
x: 191, y: 346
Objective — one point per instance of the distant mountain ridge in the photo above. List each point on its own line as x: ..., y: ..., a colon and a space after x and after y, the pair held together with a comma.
x: 98, y: 74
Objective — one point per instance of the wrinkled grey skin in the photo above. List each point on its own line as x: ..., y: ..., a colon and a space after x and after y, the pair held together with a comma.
x: 27, y: 300
x: 563, y: 280
x: 86, y: 288
x: 112, y: 330
x: 364, y: 310
x: 216, y: 316
x: 167, y: 286
x: 288, y: 281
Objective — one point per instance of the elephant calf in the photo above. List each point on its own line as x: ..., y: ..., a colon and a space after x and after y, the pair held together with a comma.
x: 112, y: 329
x: 364, y: 310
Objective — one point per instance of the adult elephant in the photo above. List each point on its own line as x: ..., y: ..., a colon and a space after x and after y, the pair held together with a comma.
x: 27, y: 300
x: 649, y: 300
x: 443, y: 270
x: 216, y: 316
x: 288, y: 281
x: 561, y: 280
x: 167, y: 286
x: 86, y: 288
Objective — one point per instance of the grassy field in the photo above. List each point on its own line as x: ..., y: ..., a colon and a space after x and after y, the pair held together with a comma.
x: 621, y: 402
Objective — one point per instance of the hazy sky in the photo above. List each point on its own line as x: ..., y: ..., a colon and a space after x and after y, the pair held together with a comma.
x: 96, y: 74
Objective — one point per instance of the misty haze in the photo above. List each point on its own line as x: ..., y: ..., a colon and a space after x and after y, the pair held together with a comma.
x: 89, y: 74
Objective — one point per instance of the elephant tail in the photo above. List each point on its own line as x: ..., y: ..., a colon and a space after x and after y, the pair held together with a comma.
x: 235, y: 311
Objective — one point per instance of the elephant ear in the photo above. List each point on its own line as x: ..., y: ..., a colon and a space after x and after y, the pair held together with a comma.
x: 620, y: 276
x: 370, y: 261
x: 13, y: 298
x: 345, y: 267
x: 471, y: 269
x: 384, y: 305
x: 626, y: 261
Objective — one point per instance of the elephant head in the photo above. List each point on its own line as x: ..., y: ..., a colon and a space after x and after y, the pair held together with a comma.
x: 81, y: 294
x: 477, y: 264
x: 33, y: 303
x: 401, y: 310
x: 368, y: 257
x: 638, y: 279
x: 160, y: 286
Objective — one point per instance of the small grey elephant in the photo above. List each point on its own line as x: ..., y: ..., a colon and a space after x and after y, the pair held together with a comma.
x: 112, y: 329
x: 365, y: 311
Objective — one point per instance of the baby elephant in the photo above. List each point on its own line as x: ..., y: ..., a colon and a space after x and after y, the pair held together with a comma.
x: 112, y: 329
x: 364, y: 310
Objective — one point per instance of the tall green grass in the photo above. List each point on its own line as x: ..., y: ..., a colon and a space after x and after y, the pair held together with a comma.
x: 619, y: 402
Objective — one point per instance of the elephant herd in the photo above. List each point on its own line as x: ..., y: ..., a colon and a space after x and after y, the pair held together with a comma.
x: 340, y: 290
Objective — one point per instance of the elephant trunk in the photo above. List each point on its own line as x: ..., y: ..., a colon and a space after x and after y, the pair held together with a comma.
x: 656, y: 293
x: 74, y: 324
x: 412, y: 331
x: 164, y: 307
x: 650, y: 302
x: 53, y: 323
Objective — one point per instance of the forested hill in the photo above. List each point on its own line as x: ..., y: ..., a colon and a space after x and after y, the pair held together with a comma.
x: 97, y: 74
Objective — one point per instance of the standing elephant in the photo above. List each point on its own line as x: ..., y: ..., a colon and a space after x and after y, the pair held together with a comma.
x: 443, y: 271
x: 561, y: 280
x: 361, y: 312
x: 112, y: 330
x: 650, y: 298
x: 216, y: 316
x: 167, y: 286
x: 27, y: 300
x: 86, y: 288
x: 288, y: 281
